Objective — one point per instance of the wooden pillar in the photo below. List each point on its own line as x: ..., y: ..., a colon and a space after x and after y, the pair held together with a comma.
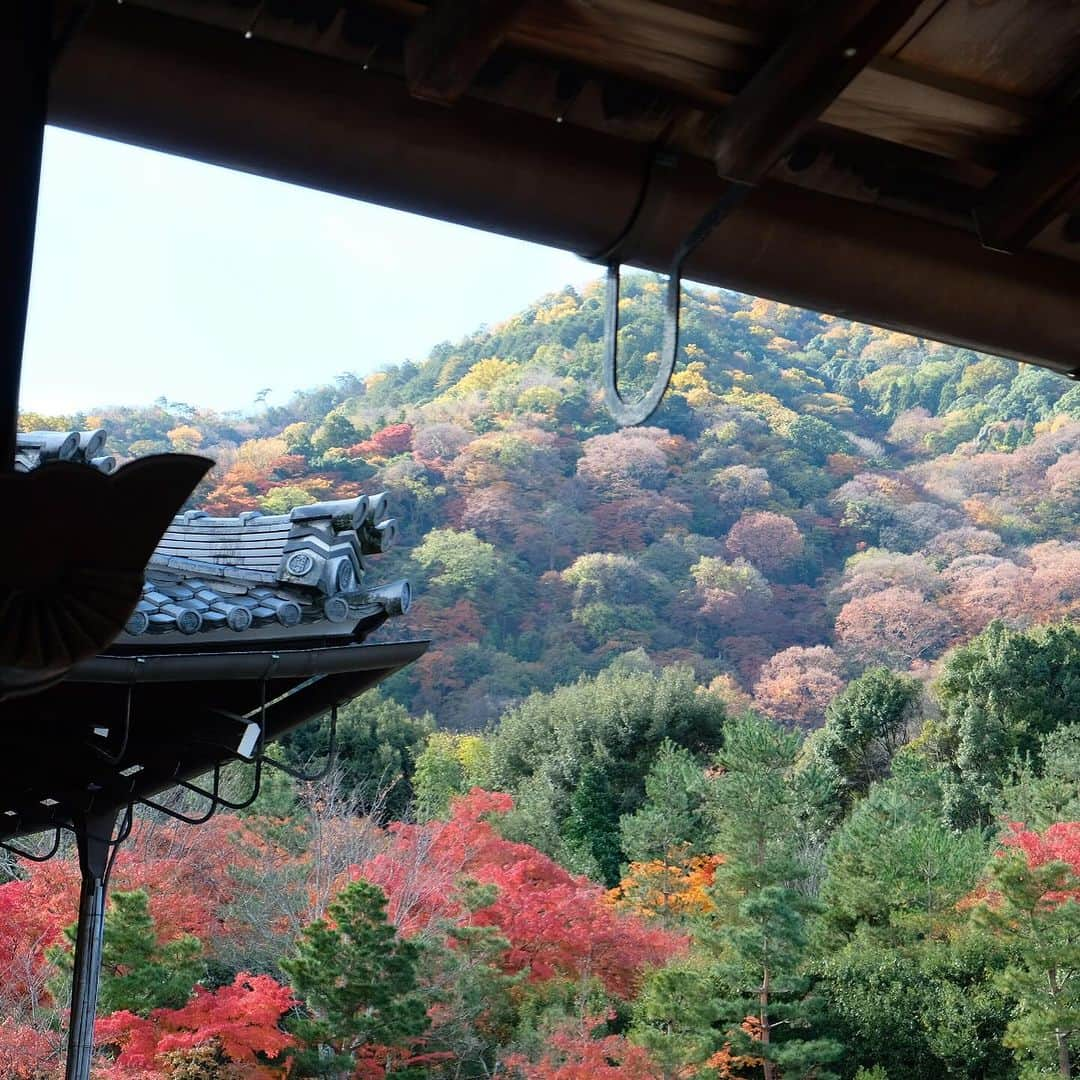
x: 25, y: 54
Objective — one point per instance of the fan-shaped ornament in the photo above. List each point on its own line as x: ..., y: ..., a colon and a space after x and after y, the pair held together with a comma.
x: 76, y: 544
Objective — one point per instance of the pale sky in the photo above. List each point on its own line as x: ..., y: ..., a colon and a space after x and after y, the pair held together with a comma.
x: 155, y: 275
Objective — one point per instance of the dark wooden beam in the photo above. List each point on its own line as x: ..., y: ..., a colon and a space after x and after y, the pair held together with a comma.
x: 1039, y: 185
x: 816, y: 61
x: 451, y: 42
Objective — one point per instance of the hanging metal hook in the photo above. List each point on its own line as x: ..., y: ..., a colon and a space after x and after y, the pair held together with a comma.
x: 29, y: 855
x: 185, y: 818
x: 331, y: 757
x: 624, y: 414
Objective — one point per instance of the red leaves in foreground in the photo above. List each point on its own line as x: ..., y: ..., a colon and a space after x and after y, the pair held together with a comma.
x: 241, y: 1019
x: 25, y: 1052
x: 556, y: 923
x: 1060, y: 842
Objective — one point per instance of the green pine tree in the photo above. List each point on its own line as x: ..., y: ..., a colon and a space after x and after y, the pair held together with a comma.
x: 138, y: 973
x: 672, y: 820
x: 591, y: 830
x: 762, y: 934
x: 865, y: 725
x: 357, y: 978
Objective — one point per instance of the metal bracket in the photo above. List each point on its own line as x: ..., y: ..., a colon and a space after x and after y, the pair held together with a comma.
x: 624, y: 414
x: 214, y: 796
x: 115, y: 759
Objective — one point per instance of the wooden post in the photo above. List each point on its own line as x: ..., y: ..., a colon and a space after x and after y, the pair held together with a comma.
x: 25, y: 52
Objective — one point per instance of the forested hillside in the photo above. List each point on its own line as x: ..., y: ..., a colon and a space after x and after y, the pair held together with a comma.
x: 813, y: 498
x: 747, y: 747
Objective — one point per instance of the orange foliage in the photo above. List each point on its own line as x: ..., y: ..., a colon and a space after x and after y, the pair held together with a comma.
x: 669, y: 888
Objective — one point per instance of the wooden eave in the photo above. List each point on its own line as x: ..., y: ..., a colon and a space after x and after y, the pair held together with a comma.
x: 893, y: 149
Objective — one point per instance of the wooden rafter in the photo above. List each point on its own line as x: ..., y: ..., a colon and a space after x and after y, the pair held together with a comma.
x: 817, y: 60
x: 1041, y: 184
x: 451, y: 42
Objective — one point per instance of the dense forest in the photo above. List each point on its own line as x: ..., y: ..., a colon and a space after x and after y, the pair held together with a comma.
x: 746, y: 746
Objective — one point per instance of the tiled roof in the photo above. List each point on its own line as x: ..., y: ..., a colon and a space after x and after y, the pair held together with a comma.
x: 303, y: 571
x: 297, y: 574
x: 34, y: 448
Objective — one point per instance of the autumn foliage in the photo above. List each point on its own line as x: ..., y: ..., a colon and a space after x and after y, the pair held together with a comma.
x: 556, y: 924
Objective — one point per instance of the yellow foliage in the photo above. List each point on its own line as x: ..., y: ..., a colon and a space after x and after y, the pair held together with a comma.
x: 561, y: 305
x: 473, y: 752
x: 540, y: 399
x: 32, y: 421
x: 1053, y: 424
x: 374, y: 379
x: 692, y: 384
x: 730, y: 693
x: 482, y: 377
x: 261, y: 453
x: 798, y: 377
x: 781, y: 344
x: 778, y: 416
x: 982, y: 515
x: 184, y: 437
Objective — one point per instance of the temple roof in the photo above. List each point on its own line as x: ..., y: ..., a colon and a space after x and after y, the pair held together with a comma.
x: 253, y: 622
x: 289, y: 574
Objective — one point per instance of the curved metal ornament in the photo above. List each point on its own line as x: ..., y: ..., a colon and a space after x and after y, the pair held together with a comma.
x: 624, y: 414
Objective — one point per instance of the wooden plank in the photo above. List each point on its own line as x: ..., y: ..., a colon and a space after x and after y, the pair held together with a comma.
x: 817, y: 60
x: 131, y: 75
x: 1021, y: 47
x: 451, y: 42
x: 1038, y: 185
x: 903, y: 105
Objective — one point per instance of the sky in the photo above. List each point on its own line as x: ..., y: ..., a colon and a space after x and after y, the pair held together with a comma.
x: 158, y: 276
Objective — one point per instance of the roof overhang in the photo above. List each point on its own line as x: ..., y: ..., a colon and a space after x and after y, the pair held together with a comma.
x: 168, y: 716
x: 297, y: 109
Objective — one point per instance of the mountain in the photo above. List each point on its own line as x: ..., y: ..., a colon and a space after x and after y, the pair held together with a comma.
x: 813, y: 498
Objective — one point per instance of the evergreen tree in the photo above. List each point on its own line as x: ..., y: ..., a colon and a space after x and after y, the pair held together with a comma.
x: 894, y: 869
x: 138, y: 973
x: 763, y: 903
x: 377, y: 740
x: 591, y: 829
x: 673, y: 817
x: 358, y: 980
x: 1036, y: 906
x: 865, y: 724
x: 1000, y: 694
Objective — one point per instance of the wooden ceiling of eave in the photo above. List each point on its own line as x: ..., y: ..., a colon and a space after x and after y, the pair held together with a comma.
x: 1019, y: 47
x: 662, y: 70
x: 696, y: 53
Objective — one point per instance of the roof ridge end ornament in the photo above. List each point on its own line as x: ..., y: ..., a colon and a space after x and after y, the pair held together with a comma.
x: 629, y: 414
